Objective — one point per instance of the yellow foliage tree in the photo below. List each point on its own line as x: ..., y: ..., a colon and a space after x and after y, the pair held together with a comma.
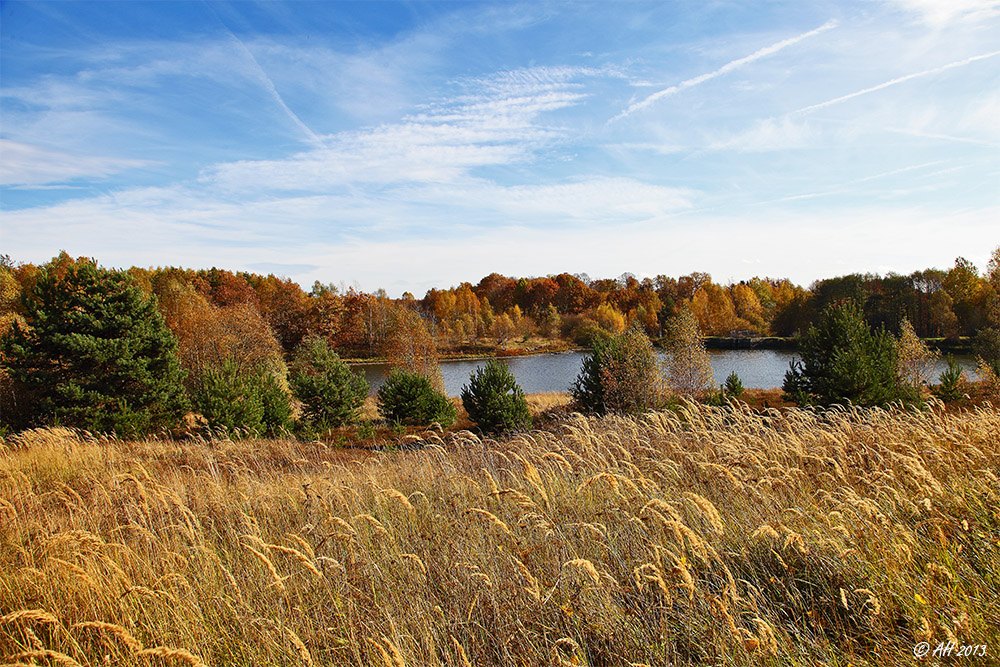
x: 609, y: 319
x: 503, y: 329
x: 713, y: 309
x: 689, y: 367
x: 915, y: 359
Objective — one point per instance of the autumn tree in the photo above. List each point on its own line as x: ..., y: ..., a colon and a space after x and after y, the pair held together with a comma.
x: 609, y: 318
x: 916, y: 360
x: 10, y: 296
x: 748, y: 308
x: 550, y: 322
x: 964, y: 286
x: 713, y: 308
x: 689, y: 367
x: 286, y: 308
x: 210, y: 336
x: 503, y: 330
x: 622, y: 374
x: 411, y: 347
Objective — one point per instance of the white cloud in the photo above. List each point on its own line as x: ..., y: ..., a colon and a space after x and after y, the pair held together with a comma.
x: 769, y: 134
x: 938, y: 13
x: 495, y: 121
x: 587, y: 201
x: 25, y: 164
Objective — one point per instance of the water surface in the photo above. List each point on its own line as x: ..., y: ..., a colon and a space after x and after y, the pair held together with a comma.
x: 758, y: 369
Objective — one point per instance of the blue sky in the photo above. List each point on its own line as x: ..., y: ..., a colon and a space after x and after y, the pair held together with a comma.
x: 418, y: 144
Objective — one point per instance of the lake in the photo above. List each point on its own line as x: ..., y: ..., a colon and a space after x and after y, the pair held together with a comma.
x: 540, y: 373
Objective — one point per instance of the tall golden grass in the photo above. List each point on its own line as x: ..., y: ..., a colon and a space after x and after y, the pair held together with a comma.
x: 706, y: 536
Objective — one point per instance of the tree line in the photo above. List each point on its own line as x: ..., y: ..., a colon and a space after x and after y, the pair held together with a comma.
x: 499, y: 311
x: 238, y: 346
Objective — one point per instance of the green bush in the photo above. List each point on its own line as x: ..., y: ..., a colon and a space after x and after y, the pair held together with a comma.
x: 732, y: 389
x: 588, y: 388
x: 94, y: 353
x: 277, y: 403
x: 227, y: 400
x: 588, y: 333
x: 255, y: 401
x: 410, y: 398
x: 494, y: 400
x: 331, y: 393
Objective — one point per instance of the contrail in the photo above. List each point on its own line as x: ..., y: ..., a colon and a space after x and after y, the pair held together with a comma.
x: 893, y: 82
x: 728, y: 67
x: 268, y: 84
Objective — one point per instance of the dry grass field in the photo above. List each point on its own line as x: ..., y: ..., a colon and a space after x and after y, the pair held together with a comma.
x: 716, y: 536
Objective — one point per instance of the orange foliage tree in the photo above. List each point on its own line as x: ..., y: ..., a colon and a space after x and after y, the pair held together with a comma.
x: 210, y: 336
x: 410, y: 346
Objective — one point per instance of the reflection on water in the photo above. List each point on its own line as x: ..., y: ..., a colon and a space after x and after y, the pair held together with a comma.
x: 758, y: 369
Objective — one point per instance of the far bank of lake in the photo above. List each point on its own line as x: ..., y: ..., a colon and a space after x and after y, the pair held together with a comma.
x: 541, y: 373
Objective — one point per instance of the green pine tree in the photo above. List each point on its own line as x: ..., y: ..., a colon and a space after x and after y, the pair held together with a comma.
x: 331, y: 393
x: 843, y: 360
x: 410, y: 398
x: 494, y: 400
x: 94, y: 353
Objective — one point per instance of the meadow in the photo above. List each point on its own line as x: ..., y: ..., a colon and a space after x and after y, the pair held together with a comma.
x: 706, y: 535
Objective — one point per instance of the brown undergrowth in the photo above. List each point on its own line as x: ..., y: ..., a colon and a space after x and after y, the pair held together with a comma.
x: 706, y: 536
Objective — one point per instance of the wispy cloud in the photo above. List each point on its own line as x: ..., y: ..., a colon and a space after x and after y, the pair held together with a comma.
x: 768, y: 134
x: 28, y: 165
x: 492, y: 121
x: 433, y: 144
x: 938, y: 13
x: 725, y: 69
x: 943, y: 137
x: 897, y: 81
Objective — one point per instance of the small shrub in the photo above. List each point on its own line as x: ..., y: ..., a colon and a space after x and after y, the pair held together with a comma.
x: 732, y: 389
x: 588, y: 388
x: 366, y: 429
x: 230, y: 398
x: 276, y: 402
x: 734, y: 386
x: 331, y: 393
x: 952, y: 382
x: 494, y: 400
x: 588, y: 334
x: 410, y: 398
